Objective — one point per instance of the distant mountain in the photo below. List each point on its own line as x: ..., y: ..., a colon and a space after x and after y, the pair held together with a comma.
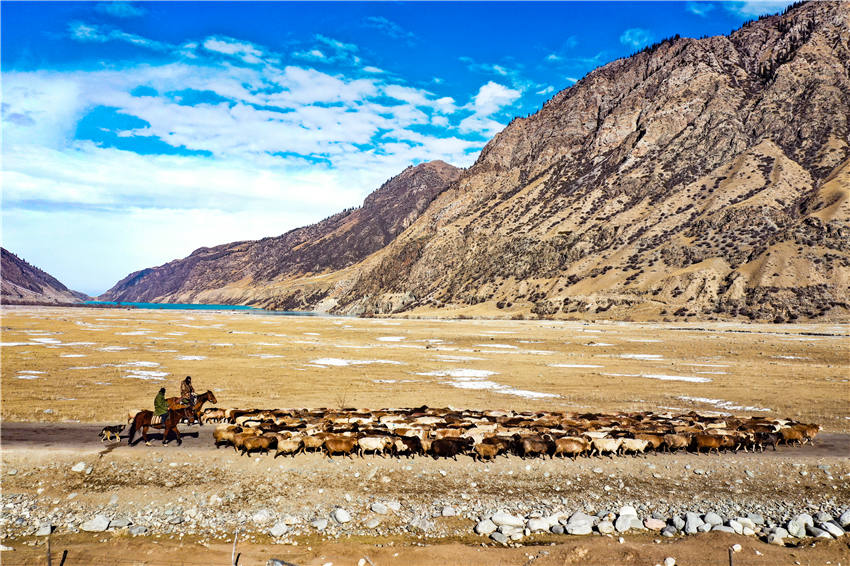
x: 21, y: 282
x: 702, y: 178
x: 231, y: 273
x: 698, y: 178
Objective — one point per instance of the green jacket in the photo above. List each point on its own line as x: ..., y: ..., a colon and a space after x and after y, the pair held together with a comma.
x: 160, y: 406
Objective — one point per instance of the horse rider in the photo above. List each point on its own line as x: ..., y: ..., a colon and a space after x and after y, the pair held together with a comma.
x: 187, y: 392
x: 160, y: 405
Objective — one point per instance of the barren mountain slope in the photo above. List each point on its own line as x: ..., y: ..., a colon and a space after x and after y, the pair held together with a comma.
x: 21, y: 282
x: 700, y: 177
x: 230, y: 273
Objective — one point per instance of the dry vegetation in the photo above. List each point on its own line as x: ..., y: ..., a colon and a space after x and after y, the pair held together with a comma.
x: 798, y: 371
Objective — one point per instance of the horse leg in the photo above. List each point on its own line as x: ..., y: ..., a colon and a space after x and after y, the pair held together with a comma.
x: 177, y: 433
x: 145, y: 435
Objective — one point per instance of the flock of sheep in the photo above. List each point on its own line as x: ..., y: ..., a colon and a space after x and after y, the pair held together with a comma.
x: 484, y: 435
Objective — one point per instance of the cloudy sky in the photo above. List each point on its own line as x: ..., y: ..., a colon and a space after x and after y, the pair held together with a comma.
x: 134, y: 133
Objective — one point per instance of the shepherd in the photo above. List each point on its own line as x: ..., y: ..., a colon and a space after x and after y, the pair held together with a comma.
x: 160, y: 405
x: 187, y: 392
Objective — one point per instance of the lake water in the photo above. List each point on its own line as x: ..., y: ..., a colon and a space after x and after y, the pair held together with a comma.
x: 200, y: 307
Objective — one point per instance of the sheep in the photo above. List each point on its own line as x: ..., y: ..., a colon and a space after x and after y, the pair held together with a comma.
x: 261, y: 443
x: 339, y: 445
x: 603, y: 445
x: 376, y: 444
x: 533, y: 446
x: 450, y: 447
x: 407, y: 445
x: 709, y: 441
x: 212, y: 415
x: 673, y: 442
x: 634, y: 445
x: 240, y: 437
x: 570, y: 446
x: 289, y: 446
x: 483, y: 452
x: 225, y: 434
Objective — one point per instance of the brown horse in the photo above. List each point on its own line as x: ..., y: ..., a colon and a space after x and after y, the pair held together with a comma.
x: 142, y: 421
x: 209, y: 396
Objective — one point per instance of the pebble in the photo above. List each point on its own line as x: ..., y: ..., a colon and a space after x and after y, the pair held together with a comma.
x: 4, y: 548
x: 279, y: 529
x: 713, y: 518
x: 538, y: 525
x: 605, y: 527
x: 499, y: 537
x: 379, y: 508
x: 504, y: 518
x: 262, y: 516
x: 44, y: 530
x: 654, y: 524
x: 736, y: 548
x: 775, y: 540
x: 832, y: 529
x: 668, y: 532
x: 448, y: 511
x: 669, y: 561
x: 817, y: 533
x: 844, y: 519
x: 319, y: 524
x: 485, y: 527
x: 13, y: 472
x: 372, y: 523
x: 79, y: 467
x: 341, y: 516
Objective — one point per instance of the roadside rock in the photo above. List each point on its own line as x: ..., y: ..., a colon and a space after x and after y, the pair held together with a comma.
x: 503, y: 518
x: 96, y: 525
x: 379, y: 508
x: 341, y: 516
x: 485, y: 527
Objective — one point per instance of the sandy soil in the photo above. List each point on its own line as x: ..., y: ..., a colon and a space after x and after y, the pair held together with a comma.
x: 272, y: 361
x: 98, y: 363
x: 708, y: 550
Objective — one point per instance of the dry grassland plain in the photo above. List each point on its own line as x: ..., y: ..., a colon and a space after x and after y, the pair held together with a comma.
x: 93, y: 365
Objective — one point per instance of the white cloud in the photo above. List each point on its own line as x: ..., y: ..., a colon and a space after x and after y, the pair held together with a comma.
x: 389, y: 28
x: 699, y: 8
x: 548, y: 90
x: 636, y: 38
x: 373, y: 70
x: 336, y: 44
x: 286, y: 144
x: 756, y: 8
x: 246, y: 51
x: 90, y: 33
x: 120, y: 9
x: 491, y: 98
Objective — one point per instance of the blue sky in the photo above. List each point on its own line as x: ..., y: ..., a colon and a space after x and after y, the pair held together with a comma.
x: 134, y: 133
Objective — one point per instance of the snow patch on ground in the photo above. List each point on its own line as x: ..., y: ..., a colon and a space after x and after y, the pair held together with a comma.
x: 574, y: 366
x: 505, y: 346
x: 113, y: 348
x: 721, y: 404
x: 448, y: 358
x: 662, y: 377
x: 459, y: 373
x: 187, y: 358
x: 72, y: 355
x: 641, y: 356
x: 338, y: 362
x: 390, y: 338
x: 598, y: 344
x: 266, y: 356
x: 477, y: 383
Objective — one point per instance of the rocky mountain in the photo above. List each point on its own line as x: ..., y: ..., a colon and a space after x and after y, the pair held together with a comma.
x: 230, y: 273
x: 704, y: 178
x: 700, y: 177
x: 21, y: 282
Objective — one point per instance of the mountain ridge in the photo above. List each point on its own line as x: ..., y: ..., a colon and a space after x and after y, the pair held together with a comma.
x: 24, y: 283
x: 700, y: 178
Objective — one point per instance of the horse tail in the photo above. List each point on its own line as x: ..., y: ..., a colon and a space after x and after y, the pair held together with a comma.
x: 133, y: 429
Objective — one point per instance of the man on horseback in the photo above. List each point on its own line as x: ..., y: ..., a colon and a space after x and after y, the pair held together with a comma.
x: 160, y: 405
x: 187, y: 392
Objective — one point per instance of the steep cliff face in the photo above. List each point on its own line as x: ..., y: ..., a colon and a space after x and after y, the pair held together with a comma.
x: 21, y: 282
x: 231, y: 273
x: 697, y: 178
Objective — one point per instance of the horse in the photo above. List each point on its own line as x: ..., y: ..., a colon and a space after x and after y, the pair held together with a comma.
x: 209, y: 396
x: 142, y: 421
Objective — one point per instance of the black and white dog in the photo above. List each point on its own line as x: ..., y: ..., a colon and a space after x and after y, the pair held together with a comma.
x: 110, y: 433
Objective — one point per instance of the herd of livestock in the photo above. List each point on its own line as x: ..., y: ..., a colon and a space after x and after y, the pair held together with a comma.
x: 484, y: 435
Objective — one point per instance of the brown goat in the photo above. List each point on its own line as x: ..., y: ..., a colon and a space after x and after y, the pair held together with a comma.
x: 340, y: 445
x: 262, y: 443
x: 569, y: 446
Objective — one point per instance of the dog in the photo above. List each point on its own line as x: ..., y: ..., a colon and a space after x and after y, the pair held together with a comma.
x: 110, y: 433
